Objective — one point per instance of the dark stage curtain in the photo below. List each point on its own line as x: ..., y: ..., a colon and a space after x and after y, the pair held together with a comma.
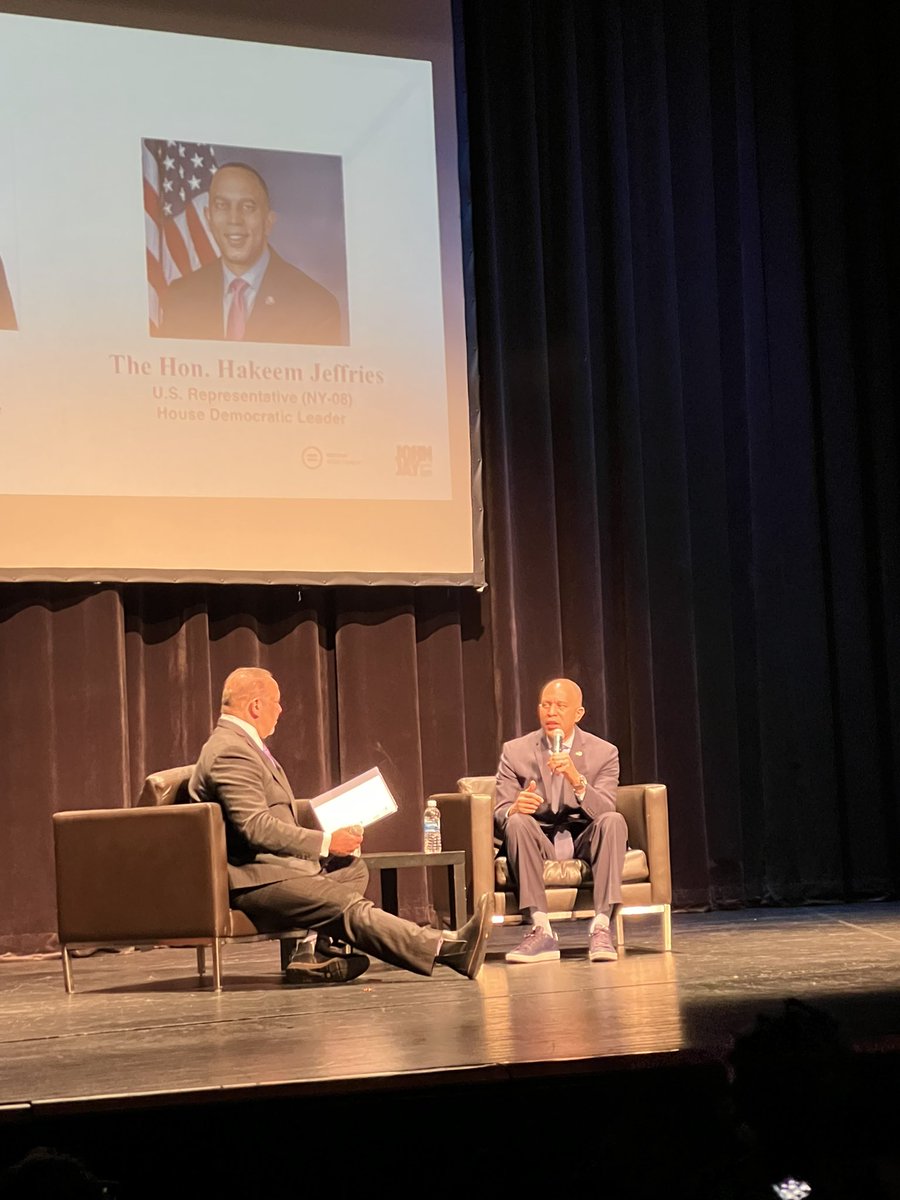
x: 684, y: 222
x: 686, y: 247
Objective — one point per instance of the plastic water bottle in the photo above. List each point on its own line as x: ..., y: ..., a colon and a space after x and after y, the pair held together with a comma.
x: 432, y: 828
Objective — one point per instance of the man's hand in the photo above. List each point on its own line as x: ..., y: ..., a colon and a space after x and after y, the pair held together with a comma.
x: 527, y: 801
x: 346, y: 841
x: 561, y: 764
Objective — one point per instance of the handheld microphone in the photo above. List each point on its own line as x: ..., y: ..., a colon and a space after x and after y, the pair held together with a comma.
x: 556, y: 741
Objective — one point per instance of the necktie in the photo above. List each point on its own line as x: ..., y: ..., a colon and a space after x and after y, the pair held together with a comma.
x: 270, y: 757
x: 556, y: 792
x: 237, y: 312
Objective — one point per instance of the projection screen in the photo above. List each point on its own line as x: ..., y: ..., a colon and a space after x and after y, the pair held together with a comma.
x: 232, y: 305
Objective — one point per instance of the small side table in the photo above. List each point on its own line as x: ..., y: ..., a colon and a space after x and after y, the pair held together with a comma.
x: 388, y: 864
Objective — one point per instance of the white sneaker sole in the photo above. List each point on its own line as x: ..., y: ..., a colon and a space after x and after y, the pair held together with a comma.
x: 544, y: 956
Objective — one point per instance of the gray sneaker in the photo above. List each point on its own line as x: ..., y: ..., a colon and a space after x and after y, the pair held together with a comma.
x: 536, y: 946
x: 601, y: 948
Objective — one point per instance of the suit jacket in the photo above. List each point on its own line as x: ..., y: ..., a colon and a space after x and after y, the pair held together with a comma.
x: 290, y: 307
x: 7, y: 312
x: 525, y: 758
x: 264, y: 837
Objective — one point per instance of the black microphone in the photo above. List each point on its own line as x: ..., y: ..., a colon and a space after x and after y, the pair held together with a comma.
x: 556, y: 741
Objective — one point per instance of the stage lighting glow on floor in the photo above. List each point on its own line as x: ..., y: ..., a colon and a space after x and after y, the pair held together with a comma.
x: 791, y: 1189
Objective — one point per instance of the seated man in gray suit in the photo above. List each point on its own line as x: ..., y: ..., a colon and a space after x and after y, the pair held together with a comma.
x: 556, y: 799
x: 285, y: 876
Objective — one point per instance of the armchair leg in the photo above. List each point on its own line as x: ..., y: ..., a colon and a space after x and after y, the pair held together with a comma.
x: 67, y: 970
x: 620, y: 928
x: 664, y: 910
x: 667, y: 926
x: 217, y: 964
x: 201, y: 961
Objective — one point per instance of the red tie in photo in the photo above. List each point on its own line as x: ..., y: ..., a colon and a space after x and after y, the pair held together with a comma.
x: 237, y: 313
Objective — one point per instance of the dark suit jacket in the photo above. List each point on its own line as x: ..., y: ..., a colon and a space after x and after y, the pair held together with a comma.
x: 525, y: 758
x: 265, y: 841
x: 291, y: 308
x: 7, y: 312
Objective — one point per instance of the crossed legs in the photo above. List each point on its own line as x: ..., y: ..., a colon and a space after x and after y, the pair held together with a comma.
x: 333, y: 903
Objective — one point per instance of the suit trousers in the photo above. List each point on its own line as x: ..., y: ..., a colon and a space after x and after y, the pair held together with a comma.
x: 602, y: 844
x: 333, y: 903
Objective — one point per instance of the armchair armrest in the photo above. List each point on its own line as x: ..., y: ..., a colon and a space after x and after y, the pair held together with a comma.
x: 645, y: 807
x: 141, y: 873
x: 656, y: 814
x: 467, y: 823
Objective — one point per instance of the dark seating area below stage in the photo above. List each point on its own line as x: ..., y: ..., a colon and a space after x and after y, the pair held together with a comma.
x: 621, y: 1073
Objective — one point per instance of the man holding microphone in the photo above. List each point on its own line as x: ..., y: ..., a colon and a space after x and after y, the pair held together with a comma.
x: 556, y: 799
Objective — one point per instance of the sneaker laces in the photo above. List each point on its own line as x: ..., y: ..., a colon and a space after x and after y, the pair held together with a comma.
x: 539, y: 931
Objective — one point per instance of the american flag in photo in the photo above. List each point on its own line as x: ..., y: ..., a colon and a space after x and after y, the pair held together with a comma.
x: 177, y: 176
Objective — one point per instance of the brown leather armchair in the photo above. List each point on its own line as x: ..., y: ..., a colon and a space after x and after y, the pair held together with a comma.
x: 467, y: 823
x: 154, y: 875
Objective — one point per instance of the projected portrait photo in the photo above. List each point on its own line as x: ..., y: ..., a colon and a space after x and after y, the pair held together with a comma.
x: 245, y: 245
x: 7, y: 308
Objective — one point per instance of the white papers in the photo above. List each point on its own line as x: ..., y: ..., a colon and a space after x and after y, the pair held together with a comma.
x: 360, y: 801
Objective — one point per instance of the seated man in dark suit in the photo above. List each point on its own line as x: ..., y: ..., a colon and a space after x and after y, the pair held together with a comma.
x: 284, y: 876
x: 250, y: 293
x: 556, y: 799
x: 7, y: 312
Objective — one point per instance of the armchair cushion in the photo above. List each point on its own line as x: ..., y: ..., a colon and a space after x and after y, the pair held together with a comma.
x: 166, y: 787
x: 573, y: 872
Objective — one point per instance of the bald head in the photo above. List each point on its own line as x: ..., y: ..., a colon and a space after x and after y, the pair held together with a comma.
x: 252, y: 694
x: 560, y: 706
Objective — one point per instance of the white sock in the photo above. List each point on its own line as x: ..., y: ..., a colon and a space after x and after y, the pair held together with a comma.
x: 541, y: 919
x: 601, y: 921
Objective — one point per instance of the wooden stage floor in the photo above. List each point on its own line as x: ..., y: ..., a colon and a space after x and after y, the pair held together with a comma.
x: 140, y: 1043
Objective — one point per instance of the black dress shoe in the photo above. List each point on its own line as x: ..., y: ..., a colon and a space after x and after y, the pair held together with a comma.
x: 325, y: 964
x: 465, y: 949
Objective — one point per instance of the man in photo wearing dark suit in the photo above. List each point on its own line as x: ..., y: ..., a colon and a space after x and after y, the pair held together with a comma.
x: 285, y: 874
x: 7, y: 312
x: 250, y: 293
x: 556, y: 800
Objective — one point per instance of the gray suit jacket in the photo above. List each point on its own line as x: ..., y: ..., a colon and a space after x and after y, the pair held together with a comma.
x: 525, y: 758
x: 265, y: 839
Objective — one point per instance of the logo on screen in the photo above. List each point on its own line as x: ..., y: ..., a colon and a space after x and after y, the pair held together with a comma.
x: 414, y: 460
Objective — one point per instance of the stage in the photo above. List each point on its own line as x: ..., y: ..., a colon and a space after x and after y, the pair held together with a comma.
x: 145, y: 1073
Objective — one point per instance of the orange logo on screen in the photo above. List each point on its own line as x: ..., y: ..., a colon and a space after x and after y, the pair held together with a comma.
x: 312, y: 457
x: 413, y: 460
